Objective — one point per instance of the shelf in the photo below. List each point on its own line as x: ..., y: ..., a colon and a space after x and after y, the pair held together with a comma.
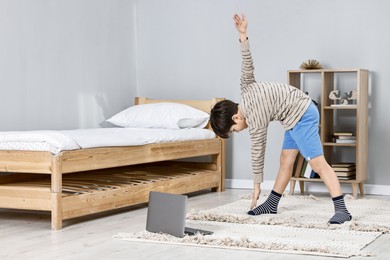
x: 341, y: 107
x: 319, y: 180
x: 337, y: 144
x: 305, y: 71
x: 327, y: 71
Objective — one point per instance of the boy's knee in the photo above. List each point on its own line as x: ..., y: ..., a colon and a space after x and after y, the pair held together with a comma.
x: 321, y: 168
x: 287, y: 160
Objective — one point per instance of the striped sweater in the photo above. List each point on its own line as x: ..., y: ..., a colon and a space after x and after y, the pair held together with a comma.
x: 263, y: 102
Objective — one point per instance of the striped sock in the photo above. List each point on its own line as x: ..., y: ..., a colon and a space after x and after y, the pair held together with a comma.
x: 341, y: 213
x: 270, y: 206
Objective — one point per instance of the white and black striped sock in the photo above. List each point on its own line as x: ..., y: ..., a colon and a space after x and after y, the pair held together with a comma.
x: 270, y: 206
x: 341, y: 212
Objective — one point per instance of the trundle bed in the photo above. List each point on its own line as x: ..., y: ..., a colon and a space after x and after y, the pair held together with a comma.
x: 79, y: 182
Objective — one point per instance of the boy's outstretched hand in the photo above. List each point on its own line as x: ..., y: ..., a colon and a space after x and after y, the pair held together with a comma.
x: 241, y: 23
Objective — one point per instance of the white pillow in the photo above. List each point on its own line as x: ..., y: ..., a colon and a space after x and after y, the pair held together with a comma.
x: 161, y: 115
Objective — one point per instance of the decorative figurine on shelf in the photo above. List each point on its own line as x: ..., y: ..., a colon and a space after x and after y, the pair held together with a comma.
x: 335, y: 95
x: 343, y: 101
x: 352, y: 96
x: 311, y: 65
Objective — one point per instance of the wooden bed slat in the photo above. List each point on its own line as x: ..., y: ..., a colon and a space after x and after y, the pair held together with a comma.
x: 90, y: 194
x: 95, y: 202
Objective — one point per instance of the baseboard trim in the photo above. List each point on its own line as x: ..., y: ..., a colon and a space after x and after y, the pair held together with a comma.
x: 309, y: 187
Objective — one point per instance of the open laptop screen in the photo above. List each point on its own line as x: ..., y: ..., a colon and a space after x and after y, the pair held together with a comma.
x: 167, y: 214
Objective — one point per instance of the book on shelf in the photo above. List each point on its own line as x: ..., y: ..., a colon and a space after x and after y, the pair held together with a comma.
x: 298, y: 166
x: 308, y: 172
x: 345, y: 141
x: 344, y: 165
x: 344, y: 169
x: 343, y: 133
x: 314, y: 175
x: 351, y: 177
x: 345, y: 174
x: 346, y: 137
x: 303, y: 168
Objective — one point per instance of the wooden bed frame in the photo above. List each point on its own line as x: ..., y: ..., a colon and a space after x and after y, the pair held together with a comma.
x: 86, y: 181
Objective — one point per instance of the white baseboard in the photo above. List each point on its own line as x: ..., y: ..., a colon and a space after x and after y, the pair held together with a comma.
x: 309, y: 187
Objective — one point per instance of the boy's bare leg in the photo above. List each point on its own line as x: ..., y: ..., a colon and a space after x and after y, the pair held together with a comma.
x: 287, y: 159
x: 327, y: 174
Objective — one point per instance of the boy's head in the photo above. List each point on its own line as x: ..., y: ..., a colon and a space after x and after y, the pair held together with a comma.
x: 221, y: 117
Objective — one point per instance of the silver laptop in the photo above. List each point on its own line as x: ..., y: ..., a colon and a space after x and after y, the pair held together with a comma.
x: 167, y: 214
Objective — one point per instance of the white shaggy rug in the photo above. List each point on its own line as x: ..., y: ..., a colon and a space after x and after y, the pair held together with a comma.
x: 300, y: 227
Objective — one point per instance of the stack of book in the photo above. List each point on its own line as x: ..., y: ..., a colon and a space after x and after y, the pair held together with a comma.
x: 344, y: 138
x: 345, y: 171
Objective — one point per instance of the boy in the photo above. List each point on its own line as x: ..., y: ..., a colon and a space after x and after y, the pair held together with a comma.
x: 262, y: 103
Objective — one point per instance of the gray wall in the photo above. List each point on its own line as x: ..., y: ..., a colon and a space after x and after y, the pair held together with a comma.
x: 73, y: 63
x: 65, y: 64
x: 189, y: 49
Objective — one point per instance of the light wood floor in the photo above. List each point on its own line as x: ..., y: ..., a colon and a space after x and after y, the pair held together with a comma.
x: 27, y: 235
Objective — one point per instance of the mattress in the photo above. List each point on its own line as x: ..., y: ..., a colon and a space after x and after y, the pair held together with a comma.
x: 57, y: 141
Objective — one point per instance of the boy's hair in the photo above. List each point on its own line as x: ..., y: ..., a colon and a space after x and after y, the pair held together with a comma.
x: 221, y: 117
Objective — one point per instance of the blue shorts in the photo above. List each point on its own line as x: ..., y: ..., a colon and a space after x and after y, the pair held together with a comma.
x: 304, y: 136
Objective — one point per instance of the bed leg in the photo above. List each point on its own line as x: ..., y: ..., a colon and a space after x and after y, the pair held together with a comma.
x: 219, y: 161
x: 56, y: 212
x: 216, y: 189
x: 56, y: 193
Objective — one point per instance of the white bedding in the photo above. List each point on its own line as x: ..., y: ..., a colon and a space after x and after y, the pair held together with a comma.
x: 57, y: 141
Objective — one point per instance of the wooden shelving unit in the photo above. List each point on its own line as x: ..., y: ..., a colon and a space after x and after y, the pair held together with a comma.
x: 331, y: 79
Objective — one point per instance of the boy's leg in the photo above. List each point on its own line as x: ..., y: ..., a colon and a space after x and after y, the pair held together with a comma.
x: 270, y: 206
x: 287, y: 159
x: 306, y: 136
x: 327, y: 174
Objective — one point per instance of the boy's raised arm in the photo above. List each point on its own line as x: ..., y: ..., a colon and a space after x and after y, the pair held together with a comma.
x: 247, y: 76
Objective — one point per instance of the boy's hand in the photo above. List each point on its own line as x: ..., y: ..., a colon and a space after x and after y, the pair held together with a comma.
x: 255, y: 195
x: 240, y: 23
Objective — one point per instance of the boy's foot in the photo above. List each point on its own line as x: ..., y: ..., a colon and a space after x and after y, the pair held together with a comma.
x: 340, y: 217
x: 270, y: 206
x: 341, y: 212
x: 262, y: 209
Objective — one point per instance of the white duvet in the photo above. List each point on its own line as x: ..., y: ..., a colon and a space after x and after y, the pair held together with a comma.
x: 57, y: 141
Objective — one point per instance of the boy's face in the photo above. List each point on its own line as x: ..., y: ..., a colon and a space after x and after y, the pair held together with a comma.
x: 240, y: 123
x: 238, y: 127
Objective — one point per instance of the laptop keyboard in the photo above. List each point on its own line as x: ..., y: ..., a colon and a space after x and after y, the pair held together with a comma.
x: 194, y: 231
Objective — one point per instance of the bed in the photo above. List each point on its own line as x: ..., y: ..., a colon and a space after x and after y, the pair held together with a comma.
x: 82, y: 181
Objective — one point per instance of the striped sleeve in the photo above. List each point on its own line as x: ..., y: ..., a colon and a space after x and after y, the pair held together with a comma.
x: 247, y: 70
x: 259, y: 141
